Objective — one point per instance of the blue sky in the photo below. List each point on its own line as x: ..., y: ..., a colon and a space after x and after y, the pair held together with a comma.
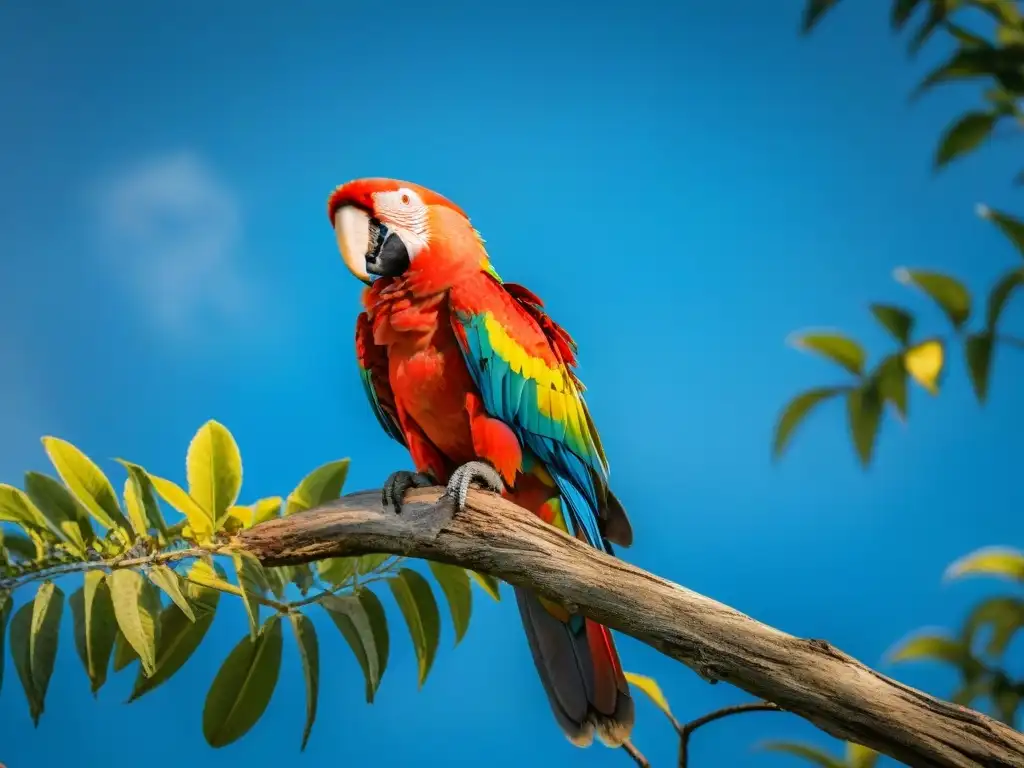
x: 167, y: 259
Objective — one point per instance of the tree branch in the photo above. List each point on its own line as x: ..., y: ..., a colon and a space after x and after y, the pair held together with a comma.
x: 685, y: 731
x: 809, y: 678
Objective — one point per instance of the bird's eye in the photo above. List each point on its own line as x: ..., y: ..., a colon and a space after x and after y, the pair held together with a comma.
x: 405, y: 199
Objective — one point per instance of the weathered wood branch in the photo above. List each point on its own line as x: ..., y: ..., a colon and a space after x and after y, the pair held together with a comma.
x: 809, y: 678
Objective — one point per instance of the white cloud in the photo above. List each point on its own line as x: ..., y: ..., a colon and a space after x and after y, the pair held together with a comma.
x: 171, y: 230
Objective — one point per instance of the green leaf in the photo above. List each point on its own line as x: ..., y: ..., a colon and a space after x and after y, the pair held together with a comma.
x: 337, y: 570
x: 1000, y: 295
x: 489, y: 584
x: 242, y: 689
x: 1001, y: 562
x: 16, y: 507
x: 87, y: 483
x: 140, y: 501
x: 19, y: 546
x: 978, y: 351
x: 137, y: 609
x: 1003, y: 615
x: 963, y: 136
x: 949, y: 293
x: 370, y: 563
x: 266, y: 509
x: 171, y: 584
x: 810, y: 754
x: 1011, y: 227
x: 360, y: 619
x: 214, y: 469
x: 1003, y: 64
x: 320, y: 486
x: 454, y: 583
x: 794, y: 414
x: 95, y: 626
x: 35, y: 631
x: 901, y: 12
x: 302, y: 577
x: 416, y: 600
x: 864, y: 414
x: 175, y: 495
x: 124, y: 654
x: 814, y: 12
x: 178, y: 637
x: 6, y: 605
x: 933, y: 647
x: 58, y: 506
x: 650, y: 687
x: 309, y: 651
x: 897, y: 321
x: 836, y: 347
x: 253, y: 582
x: 859, y: 756
x: 892, y: 383
x: 925, y: 362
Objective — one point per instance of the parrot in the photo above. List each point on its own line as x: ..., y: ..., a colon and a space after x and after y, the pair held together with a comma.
x: 479, y: 383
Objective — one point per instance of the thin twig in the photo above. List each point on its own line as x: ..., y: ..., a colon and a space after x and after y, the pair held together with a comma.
x: 737, y: 709
x: 156, y: 558
x: 636, y: 754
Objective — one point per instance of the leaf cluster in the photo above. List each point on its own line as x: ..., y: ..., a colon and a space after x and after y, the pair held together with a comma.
x: 155, y: 562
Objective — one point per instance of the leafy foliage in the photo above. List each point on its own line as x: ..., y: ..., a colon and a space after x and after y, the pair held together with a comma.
x: 151, y: 585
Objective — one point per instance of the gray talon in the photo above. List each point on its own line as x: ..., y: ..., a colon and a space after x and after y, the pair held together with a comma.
x: 476, y: 473
x: 395, y: 487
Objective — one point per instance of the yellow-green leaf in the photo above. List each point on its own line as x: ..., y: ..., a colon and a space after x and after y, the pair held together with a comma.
x: 859, y: 756
x: 949, y: 293
x: 337, y: 570
x: 932, y: 647
x: 1010, y: 226
x: 361, y: 621
x: 1000, y: 295
x: 35, y: 631
x: 416, y: 600
x: 1003, y: 616
x: 892, y: 383
x: 60, y: 509
x: 371, y: 562
x: 454, y: 583
x: 178, y: 637
x: 1002, y: 562
x: 175, y: 495
x: 978, y: 351
x: 896, y: 320
x: 812, y: 755
x: 253, y: 582
x: 836, y: 347
x: 214, y: 469
x: 965, y: 135
x: 864, y: 413
x: 321, y: 485
x: 124, y: 654
x: 242, y: 689
x: 650, y: 687
x: 172, y: 585
x: 925, y: 363
x: 17, y: 507
x: 266, y: 509
x: 137, y: 609
x: 794, y: 414
x: 205, y: 575
x: 87, y: 483
x: 95, y: 626
x: 309, y: 652
x: 488, y: 583
x: 140, y: 501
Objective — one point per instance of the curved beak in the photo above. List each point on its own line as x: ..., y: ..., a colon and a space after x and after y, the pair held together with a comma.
x: 352, y: 232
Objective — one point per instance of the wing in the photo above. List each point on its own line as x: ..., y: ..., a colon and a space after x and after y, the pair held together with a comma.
x: 523, y: 364
x: 373, y: 369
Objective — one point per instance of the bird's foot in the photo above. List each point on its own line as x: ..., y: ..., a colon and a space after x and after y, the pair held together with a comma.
x: 395, y: 487
x: 476, y: 473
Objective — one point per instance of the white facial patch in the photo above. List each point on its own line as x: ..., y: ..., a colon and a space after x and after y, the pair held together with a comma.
x: 404, y: 212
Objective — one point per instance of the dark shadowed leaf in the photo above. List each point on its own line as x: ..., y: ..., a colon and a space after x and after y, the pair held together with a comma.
x: 925, y: 362
x: 6, y: 607
x: 19, y: 547
x: 58, y: 506
x: 1001, y: 562
x: 363, y: 631
x: 488, y: 583
x: 1010, y: 226
x: 253, y: 582
x: 302, y: 577
x: 810, y: 754
x: 137, y: 609
x: 814, y: 12
x: 416, y: 600
x: 213, y: 467
x: 834, y: 346
x: 35, y: 630
x: 949, y: 293
x: 1001, y: 616
x: 337, y: 570
x: 897, y: 321
x: 21, y: 653
x: 1000, y: 295
x: 178, y: 637
x: 901, y: 11
x: 454, y: 583
x: 653, y: 691
x: 795, y: 412
x: 978, y: 351
x: 140, y: 501
x: 87, y: 483
x: 864, y: 414
x: 1004, y: 64
x: 242, y: 688
x: 892, y: 383
x: 321, y: 485
x: 124, y: 654
x: 370, y: 563
x: 1006, y: 697
x: 965, y: 135
x: 172, y: 586
x: 309, y: 652
x: 964, y: 36
x: 95, y: 626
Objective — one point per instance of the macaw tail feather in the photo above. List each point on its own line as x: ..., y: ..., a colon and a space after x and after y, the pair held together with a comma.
x: 580, y: 670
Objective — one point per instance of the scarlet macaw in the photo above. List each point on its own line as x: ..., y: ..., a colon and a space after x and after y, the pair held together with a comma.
x: 477, y: 381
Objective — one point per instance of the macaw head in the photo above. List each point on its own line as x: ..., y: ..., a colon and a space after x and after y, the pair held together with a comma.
x: 389, y: 228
